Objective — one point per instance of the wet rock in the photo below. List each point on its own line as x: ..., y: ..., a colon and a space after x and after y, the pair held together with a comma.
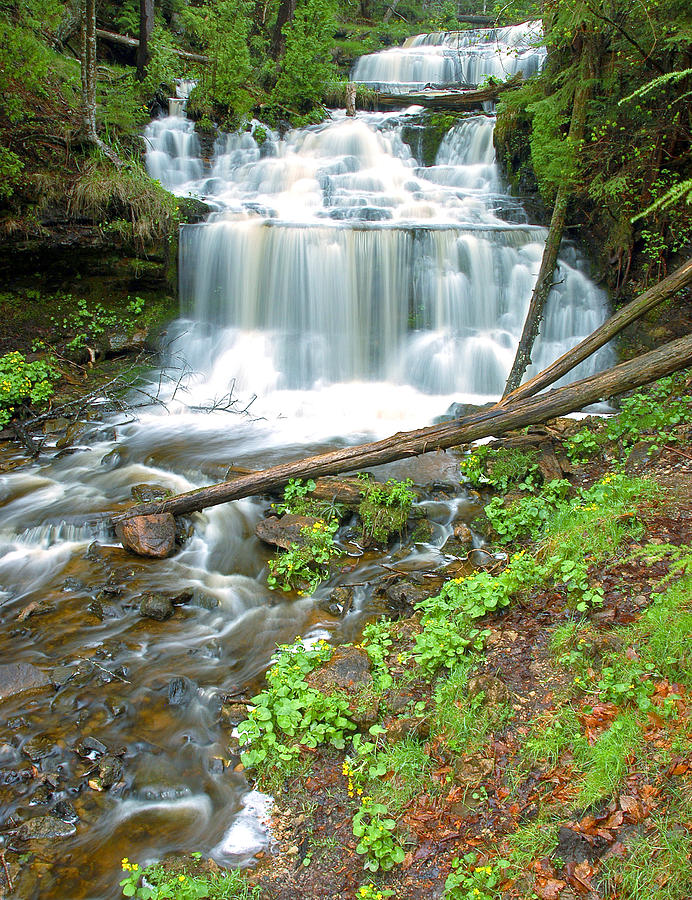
x: 284, y: 531
x: 73, y: 433
x: 38, y: 747
x: 116, y: 706
x: 181, y: 691
x: 423, y: 532
x: 402, y: 597
x: 574, y: 848
x: 156, y: 606
x: 366, y: 711
x: 184, y: 529
x: 397, y: 701
x: 110, y: 771
x: 149, y: 493
x: 349, y: 667
x: 471, y: 770
x: 16, y: 678
x: 43, y: 828
x: 152, y: 536
x: 64, y: 810
x: 640, y: 456
x: 463, y: 534
x: 104, y: 610
x: 216, y: 766
x: 495, y: 691
x: 121, y: 341
x: 203, y: 600
x: 339, y: 601
x: 234, y: 713
x: 91, y: 748
x: 408, y: 726
x: 73, y: 584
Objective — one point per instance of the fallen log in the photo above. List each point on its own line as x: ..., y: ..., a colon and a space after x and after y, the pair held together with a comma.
x: 112, y: 38
x: 493, y: 422
x: 442, y: 99
x: 641, y: 305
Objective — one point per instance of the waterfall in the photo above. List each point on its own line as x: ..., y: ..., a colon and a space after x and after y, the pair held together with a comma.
x: 334, y: 258
x: 454, y: 58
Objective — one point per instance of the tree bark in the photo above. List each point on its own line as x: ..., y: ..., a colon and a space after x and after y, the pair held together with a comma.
x: 287, y: 9
x: 493, y: 422
x: 600, y: 337
x: 544, y: 282
x: 88, y: 76
x: 146, y: 26
x: 351, y: 90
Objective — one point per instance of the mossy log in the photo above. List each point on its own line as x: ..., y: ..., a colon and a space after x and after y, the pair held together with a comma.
x: 493, y: 422
x: 452, y: 100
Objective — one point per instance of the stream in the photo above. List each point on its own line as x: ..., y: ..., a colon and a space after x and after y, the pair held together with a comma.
x: 340, y: 291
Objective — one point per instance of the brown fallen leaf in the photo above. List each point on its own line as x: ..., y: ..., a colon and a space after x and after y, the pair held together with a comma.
x: 550, y: 889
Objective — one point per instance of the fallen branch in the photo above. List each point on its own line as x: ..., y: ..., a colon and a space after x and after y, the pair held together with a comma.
x: 113, y: 38
x: 643, y: 304
x: 454, y: 100
x: 495, y: 421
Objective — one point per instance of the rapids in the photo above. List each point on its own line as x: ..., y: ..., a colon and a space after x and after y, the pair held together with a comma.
x: 352, y: 292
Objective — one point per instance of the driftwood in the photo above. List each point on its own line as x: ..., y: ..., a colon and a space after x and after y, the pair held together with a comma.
x: 495, y: 421
x: 112, y: 38
x: 442, y: 99
x: 641, y: 305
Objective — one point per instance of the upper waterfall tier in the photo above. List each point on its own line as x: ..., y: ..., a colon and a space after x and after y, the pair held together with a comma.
x: 454, y: 58
x: 333, y: 257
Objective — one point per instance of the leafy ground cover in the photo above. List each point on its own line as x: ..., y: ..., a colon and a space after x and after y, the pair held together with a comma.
x: 526, y: 734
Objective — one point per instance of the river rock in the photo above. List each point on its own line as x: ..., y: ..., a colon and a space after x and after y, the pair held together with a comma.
x: 15, y: 678
x: 339, y: 602
x: 156, y: 606
x: 42, y: 828
x: 181, y: 691
x: 152, y: 536
x: 284, y: 531
x: 495, y: 691
x: 110, y: 772
x: 408, y: 726
x: 149, y: 493
x: 348, y: 668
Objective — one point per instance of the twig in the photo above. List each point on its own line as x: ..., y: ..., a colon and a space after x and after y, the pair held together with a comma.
x: 675, y: 450
x: 8, y: 878
x: 103, y: 669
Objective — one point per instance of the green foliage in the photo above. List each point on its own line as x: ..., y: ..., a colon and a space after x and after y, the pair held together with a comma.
x: 297, y: 501
x: 464, y: 722
x: 502, y: 468
x: 606, y: 761
x: 290, y: 713
x: 303, y: 566
x: 24, y: 382
x: 156, y: 883
x: 377, y: 641
x: 470, y: 881
x: 377, y: 841
x: 307, y: 63
x: 528, y: 515
x: 385, y: 508
x: 549, y: 736
x: 370, y: 892
x: 11, y: 168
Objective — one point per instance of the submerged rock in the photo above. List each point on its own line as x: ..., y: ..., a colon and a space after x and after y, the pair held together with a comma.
x: 42, y: 828
x: 15, y: 678
x: 152, y: 536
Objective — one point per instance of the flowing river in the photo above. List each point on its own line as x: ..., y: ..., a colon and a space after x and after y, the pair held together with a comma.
x: 353, y: 292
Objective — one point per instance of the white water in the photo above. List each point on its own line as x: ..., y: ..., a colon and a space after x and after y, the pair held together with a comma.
x: 454, y: 58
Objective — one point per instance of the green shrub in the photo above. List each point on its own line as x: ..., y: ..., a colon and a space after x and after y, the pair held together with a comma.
x: 24, y: 382
x: 502, y: 468
x: 385, y: 508
x: 303, y: 566
x: 156, y: 883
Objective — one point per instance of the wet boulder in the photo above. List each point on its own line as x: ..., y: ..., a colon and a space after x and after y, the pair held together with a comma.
x: 15, y: 678
x: 495, y: 691
x: 156, y: 606
x: 348, y: 668
x: 285, y: 531
x: 152, y: 536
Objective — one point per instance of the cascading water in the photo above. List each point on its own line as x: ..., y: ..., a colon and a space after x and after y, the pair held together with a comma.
x: 454, y: 58
x: 356, y: 293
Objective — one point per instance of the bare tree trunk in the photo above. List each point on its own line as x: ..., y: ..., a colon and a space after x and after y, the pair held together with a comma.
x: 544, y: 282
x: 495, y: 421
x: 351, y: 89
x: 88, y: 62
x: 600, y: 337
x: 146, y: 26
x: 125, y: 41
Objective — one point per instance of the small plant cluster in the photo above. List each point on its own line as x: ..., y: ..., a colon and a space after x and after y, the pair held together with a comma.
x: 501, y: 469
x: 155, y: 883
x: 377, y: 840
x: 470, y: 881
x: 290, y: 713
x: 652, y: 413
x: 303, y: 566
x: 385, y: 508
x: 90, y: 321
x: 370, y: 892
x: 24, y: 382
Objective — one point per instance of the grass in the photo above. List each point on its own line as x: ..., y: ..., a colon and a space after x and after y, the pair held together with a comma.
x: 550, y: 736
x: 465, y: 722
x: 606, y: 762
x: 408, y: 774
x: 656, y: 868
x: 533, y: 841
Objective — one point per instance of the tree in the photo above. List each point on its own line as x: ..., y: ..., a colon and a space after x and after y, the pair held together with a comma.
x: 87, y: 13
x: 146, y: 26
